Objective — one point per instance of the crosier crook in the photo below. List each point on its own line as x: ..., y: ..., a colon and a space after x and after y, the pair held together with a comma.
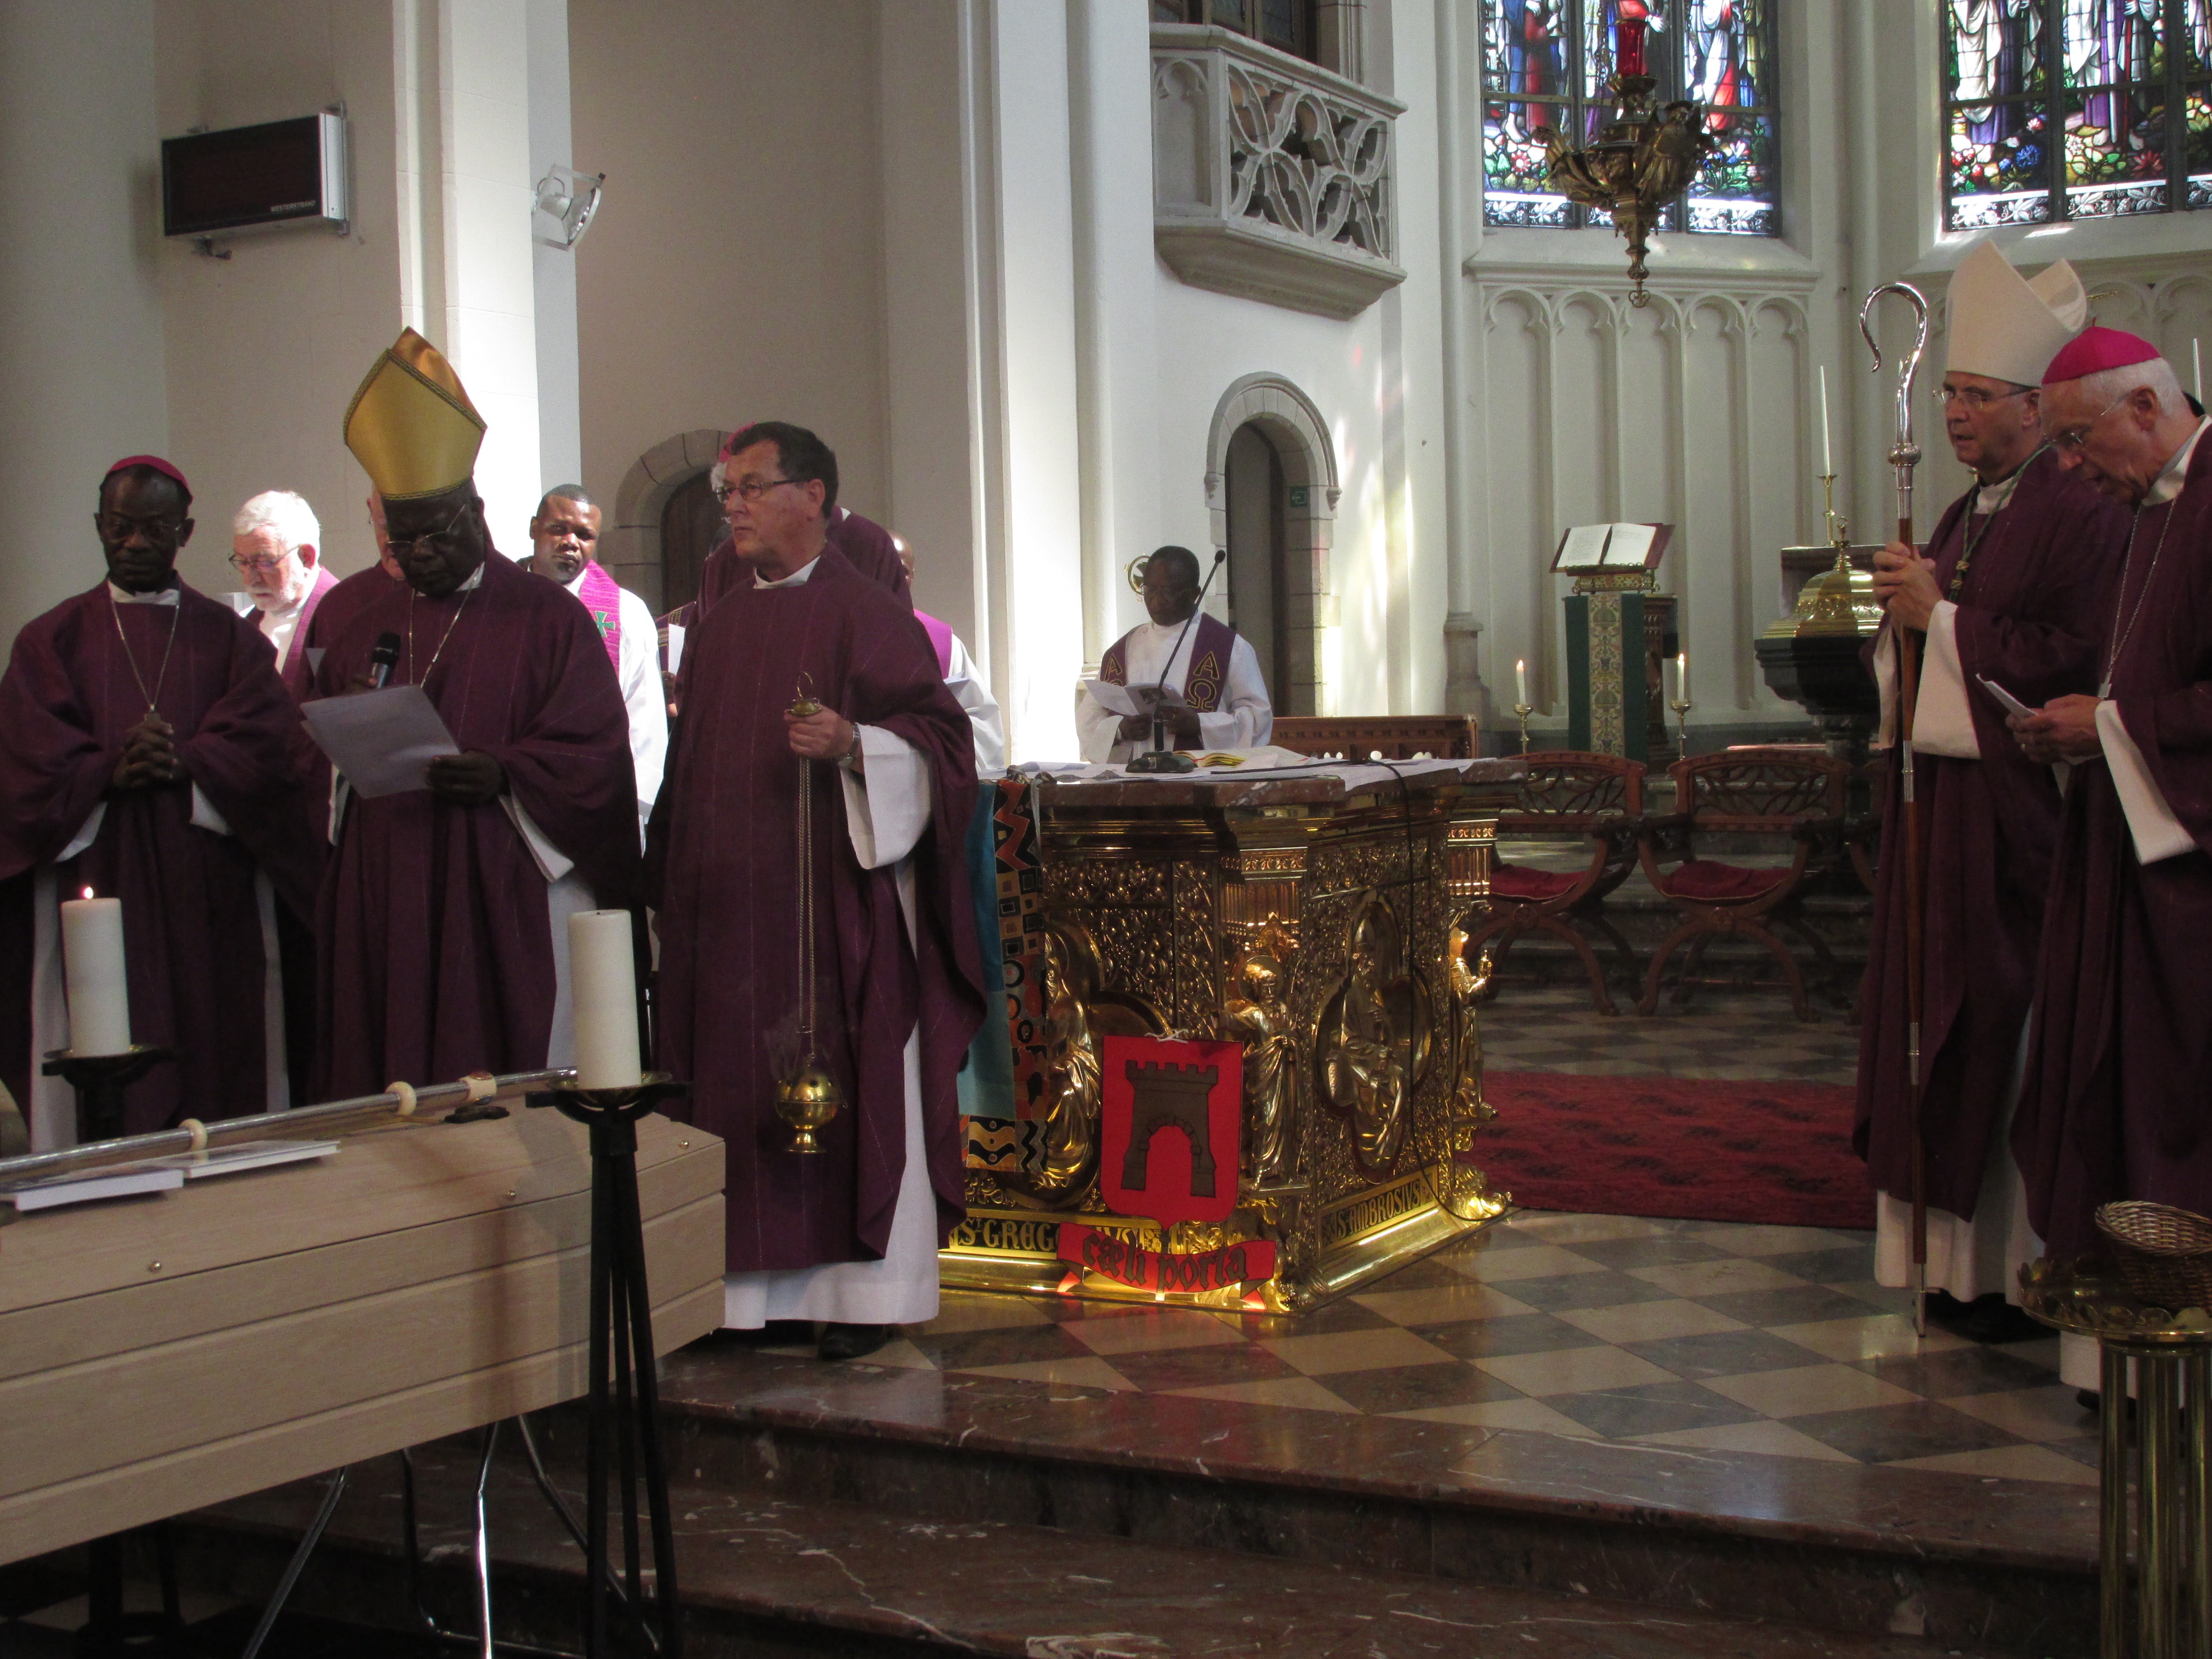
x: 1905, y: 456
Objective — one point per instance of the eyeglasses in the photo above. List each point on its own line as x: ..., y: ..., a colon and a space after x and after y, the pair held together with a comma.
x: 267, y: 564
x: 753, y: 489
x: 121, y: 526
x: 2074, y: 437
x: 441, y: 542
x: 1975, y: 398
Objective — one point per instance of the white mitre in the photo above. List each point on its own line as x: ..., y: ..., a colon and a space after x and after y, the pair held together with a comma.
x: 2008, y: 326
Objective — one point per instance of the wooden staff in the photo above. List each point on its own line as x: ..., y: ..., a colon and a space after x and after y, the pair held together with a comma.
x: 1904, y: 457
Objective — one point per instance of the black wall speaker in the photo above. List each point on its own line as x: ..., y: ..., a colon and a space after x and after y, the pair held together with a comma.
x: 280, y: 173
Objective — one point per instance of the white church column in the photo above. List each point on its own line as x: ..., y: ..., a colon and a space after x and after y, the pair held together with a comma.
x: 1029, y: 237
x: 553, y: 270
x: 80, y: 338
x: 466, y: 276
x: 1110, y: 88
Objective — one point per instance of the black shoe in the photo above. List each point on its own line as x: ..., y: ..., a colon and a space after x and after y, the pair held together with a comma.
x: 852, y: 1342
x: 776, y: 1333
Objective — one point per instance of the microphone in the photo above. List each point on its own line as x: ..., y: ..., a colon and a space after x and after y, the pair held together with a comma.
x: 383, y: 657
x: 1162, y: 758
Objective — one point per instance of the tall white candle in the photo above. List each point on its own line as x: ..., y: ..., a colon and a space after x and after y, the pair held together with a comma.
x: 1520, y: 678
x: 92, y: 967
x: 1827, y: 459
x: 2196, y: 366
x: 603, y: 981
x: 1681, y: 676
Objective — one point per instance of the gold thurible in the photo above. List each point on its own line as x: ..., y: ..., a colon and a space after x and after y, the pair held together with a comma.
x: 808, y: 1097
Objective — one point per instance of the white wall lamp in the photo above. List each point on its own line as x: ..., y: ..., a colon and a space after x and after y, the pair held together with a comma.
x: 569, y: 199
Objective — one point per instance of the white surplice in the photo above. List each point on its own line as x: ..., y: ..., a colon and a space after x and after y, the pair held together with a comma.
x: 51, y: 1111
x: 887, y: 810
x: 965, y: 681
x: 1245, y: 720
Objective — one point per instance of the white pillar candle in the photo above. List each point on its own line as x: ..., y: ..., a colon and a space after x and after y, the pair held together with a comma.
x: 2196, y: 366
x: 603, y: 984
x: 1827, y: 460
x: 1520, y: 678
x: 92, y: 966
x: 1681, y: 676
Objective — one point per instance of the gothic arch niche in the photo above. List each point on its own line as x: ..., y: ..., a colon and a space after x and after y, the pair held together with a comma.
x: 1271, y: 494
x: 658, y: 516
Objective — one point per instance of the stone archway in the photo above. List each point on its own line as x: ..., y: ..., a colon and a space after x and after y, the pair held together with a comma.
x: 1294, y: 428
x: 630, y: 545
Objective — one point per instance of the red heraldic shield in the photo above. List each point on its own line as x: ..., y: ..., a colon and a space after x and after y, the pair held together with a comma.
x: 1168, y: 1139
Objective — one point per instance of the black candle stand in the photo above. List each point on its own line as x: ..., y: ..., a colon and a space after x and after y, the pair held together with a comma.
x: 99, y: 1081
x: 624, y: 1401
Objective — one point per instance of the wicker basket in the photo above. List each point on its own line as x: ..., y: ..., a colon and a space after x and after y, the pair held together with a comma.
x: 2165, y: 1254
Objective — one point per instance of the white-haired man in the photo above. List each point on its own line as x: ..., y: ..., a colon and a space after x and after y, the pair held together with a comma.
x: 2117, y: 1100
x: 276, y: 547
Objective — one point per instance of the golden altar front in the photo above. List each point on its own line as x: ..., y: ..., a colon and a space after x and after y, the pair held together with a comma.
x: 1314, y: 919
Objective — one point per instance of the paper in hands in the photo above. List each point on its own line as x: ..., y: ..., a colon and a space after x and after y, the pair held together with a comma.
x: 1134, y: 699
x: 2011, y: 704
x: 380, y: 741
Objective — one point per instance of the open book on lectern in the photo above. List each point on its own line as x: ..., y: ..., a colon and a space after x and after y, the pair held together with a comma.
x: 1587, y: 548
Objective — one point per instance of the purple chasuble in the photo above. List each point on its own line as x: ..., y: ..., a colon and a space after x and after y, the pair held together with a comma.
x: 192, y: 922
x: 2118, y: 1097
x: 296, y: 674
x: 723, y: 872
x: 437, y: 946
x: 2027, y: 617
x: 1205, y: 675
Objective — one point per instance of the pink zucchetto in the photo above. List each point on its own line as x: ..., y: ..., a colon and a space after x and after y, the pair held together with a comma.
x: 2095, y: 350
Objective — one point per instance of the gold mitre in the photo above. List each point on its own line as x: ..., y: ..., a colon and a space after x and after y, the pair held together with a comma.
x: 411, y: 425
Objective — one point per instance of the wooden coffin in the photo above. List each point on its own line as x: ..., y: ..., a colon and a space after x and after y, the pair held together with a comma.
x: 162, y: 1352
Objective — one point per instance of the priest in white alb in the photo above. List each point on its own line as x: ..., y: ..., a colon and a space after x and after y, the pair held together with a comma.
x: 1216, y: 674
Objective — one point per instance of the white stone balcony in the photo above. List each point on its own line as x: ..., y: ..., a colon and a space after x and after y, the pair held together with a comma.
x: 1271, y: 176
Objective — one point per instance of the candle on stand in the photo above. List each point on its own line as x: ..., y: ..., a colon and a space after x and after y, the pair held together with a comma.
x: 2196, y: 366
x: 1521, y: 678
x: 1827, y: 460
x: 1627, y: 54
x: 1681, y: 676
x: 92, y: 968
x: 603, y: 981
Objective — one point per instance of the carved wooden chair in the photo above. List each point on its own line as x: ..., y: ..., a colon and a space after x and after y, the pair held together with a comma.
x: 1596, y: 800
x: 1792, y: 795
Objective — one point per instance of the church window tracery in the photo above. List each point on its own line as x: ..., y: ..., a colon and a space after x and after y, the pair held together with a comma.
x: 2075, y: 109
x: 1546, y: 63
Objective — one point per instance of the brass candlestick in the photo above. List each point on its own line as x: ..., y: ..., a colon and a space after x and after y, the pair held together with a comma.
x: 1524, y: 710
x: 1681, y: 706
x: 808, y: 1097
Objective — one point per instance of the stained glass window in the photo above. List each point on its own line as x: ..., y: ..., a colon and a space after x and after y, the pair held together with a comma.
x: 1546, y: 65
x: 2076, y: 109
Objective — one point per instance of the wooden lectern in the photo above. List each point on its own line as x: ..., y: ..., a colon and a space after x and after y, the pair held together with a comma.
x: 164, y: 1352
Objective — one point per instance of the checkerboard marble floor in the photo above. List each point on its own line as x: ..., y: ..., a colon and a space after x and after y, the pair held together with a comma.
x: 1654, y: 1333
x: 1738, y: 1035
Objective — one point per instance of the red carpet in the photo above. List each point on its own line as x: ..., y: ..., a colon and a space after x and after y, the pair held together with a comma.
x: 1771, y: 1152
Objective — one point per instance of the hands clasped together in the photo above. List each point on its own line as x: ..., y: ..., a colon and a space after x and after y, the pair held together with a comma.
x: 2064, y: 729
x: 149, y: 757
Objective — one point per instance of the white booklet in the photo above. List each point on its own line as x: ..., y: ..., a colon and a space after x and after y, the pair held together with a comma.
x: 381, y: 742
x: 1134, y: 699
x: 83, y: 1187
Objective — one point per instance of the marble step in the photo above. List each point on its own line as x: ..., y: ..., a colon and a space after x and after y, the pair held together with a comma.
x: 769, y: 1576
x: 1846, y: 1546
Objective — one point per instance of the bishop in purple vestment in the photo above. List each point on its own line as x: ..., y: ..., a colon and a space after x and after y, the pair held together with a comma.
x: 147, y: 753
x: 2118, y: 1103
x: 2008, y: 590
x: 443, y: 918
x: 847, y: 1236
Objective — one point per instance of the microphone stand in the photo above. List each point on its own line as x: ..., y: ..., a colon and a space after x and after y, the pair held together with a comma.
x: 1160, y: 757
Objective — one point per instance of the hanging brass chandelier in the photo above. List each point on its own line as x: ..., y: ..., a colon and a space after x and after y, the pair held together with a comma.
x: 1639, y: 163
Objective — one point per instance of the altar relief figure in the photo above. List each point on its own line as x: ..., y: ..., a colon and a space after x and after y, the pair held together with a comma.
x: 1068, y: 1131
x: 1259, y: 1018
x: 1362, y: 1068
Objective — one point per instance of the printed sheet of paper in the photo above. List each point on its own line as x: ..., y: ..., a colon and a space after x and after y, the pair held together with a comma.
x: 380, y: 741
x: 1134, y: 699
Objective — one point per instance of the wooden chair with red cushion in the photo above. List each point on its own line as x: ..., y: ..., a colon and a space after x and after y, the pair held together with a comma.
x: 1790, y: 794
x: 1593, y: 800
